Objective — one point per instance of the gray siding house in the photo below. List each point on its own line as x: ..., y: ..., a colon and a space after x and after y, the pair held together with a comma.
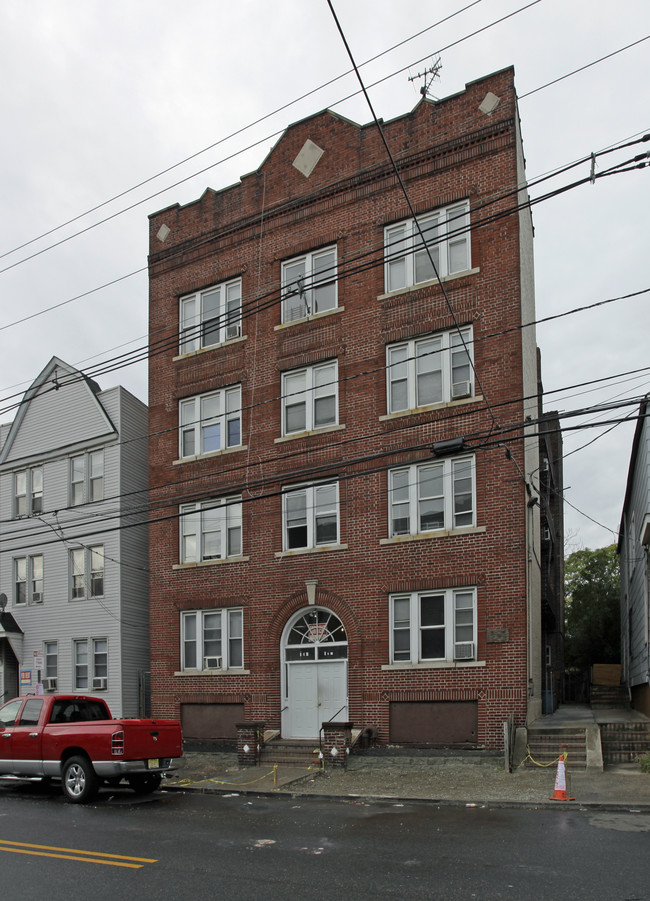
x: 633, y: 543
x: 74, y: 603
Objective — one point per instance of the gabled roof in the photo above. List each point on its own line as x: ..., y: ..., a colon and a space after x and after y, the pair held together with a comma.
x: 60, y: 412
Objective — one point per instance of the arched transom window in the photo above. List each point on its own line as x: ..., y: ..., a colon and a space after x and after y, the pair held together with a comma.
x: 317, y: 635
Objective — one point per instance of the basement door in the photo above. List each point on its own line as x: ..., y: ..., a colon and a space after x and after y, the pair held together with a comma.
x: 315, y: 673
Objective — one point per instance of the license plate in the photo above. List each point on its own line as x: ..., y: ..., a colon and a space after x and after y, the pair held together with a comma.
x: 153, y: 763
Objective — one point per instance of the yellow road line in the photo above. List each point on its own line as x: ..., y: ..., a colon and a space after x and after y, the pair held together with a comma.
x: 114, y: 860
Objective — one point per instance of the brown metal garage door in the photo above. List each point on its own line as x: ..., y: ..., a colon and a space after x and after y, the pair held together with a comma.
x: 434, y: 723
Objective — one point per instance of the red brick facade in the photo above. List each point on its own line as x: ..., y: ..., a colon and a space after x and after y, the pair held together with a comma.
x: 447, y: 152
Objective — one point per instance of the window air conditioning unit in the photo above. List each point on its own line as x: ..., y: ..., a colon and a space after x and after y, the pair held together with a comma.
x: 461, y: 389
x: 464, y: 651
x: 37, y: 597
x: 100, y: 683
x: 212, y: 662
x: 233, y: 331
x: 50, y: 683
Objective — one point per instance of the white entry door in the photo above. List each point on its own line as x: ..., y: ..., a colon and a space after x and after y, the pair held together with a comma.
x: 317, y: 692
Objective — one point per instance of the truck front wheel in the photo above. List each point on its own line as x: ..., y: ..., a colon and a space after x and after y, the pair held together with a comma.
x: 79, y: 780
x: 145, y: 783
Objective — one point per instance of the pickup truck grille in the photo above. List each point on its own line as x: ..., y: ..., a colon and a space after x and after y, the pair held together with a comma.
x: 117, y: 743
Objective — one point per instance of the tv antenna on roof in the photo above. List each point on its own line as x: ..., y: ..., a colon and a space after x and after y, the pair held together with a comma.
x: 429, y: 76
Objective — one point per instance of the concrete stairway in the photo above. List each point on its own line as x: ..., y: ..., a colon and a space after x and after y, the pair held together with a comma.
x: 547, y: 743
x: 624, y: 742
x: 609, y: 696
x: 290, y: 752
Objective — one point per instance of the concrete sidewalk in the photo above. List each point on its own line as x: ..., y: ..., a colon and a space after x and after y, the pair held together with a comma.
x: 448, y: 780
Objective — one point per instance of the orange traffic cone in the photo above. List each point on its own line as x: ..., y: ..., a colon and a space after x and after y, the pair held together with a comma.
x: 560, y: 793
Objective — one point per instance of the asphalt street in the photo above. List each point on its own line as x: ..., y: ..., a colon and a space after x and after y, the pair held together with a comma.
x: 189, y: 845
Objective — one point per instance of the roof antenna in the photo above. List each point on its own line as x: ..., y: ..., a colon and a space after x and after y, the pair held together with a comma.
x: 429, y: 76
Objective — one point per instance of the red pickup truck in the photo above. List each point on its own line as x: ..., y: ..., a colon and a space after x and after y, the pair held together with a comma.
x: 73, y: 738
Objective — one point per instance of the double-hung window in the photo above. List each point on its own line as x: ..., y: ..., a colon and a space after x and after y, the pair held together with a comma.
x: 429, y: 370
x: 429, y: 497
x: 446, y: 242
x: 51, y: 659
x: 210, y: 317
x: 309, y: 284
x: 309, y: 398
x: 212, y: 639
x: 90, y: 658
x: 310, y: 515
x: 211, y: 530
x: 87, y: 572
x: 210, y: 422
x: 28, y: 492
x: 28, y: 579
x: 433, y: 626
x: 87, y: 478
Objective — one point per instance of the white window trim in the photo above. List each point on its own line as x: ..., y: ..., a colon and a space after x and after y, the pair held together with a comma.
x: 311, y: 490
x: 88, y: 552
x: 448, y: 465
x: 310, y: 395
x: 31, y: 596
x: 406, y: 234
x: 30, y: 494
x: 228, y: 615
x: 88, y: 478
x: 309, y: 284
x: 228, y: 322
x: 194, y: 423
x: 450, y: 391
x: 227, y: 512
x: 452, y: 646
x: 53, y: 672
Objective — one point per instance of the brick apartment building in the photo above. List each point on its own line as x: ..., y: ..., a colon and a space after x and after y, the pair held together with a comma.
x: 343, y: 455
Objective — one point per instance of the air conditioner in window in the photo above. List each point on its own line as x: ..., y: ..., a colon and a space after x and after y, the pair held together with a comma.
x: 464, y: 651
x: 212, y: 662
x: 100, y: 683
x: 37, y: 597
x: 233, y: 331
x: 50, y: 683
x: 461, y: 389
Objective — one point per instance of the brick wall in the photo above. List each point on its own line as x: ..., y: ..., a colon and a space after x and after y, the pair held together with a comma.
x: 447, y: 151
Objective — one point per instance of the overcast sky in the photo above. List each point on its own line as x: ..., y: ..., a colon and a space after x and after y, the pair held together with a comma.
x: 100, y: 98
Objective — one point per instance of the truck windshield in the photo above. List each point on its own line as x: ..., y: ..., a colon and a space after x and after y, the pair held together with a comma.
x: 71, y: 710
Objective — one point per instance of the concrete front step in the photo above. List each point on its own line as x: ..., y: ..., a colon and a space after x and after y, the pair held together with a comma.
x: 545, y: 746
x: 624, y: 742
x: 291, y: 753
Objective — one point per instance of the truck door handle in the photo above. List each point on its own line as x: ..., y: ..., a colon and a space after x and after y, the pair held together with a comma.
x: 6, y: 734
x: 33, y: 734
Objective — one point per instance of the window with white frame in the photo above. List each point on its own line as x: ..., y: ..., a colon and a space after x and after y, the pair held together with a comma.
x: 211, y: 530
x: 310, y: 515
x: 28, y: 492
x: 80, y: 651
x: 90, y: 660
x: 309, y: 284
x: 51, y: 659
x: 429, y: 370
x: 210, y: 317
x: 210, y: 422
x: 428, y: 497
x: 212, y: 639
x: 28, y: 579
x: 433, y: 626
x: 310, y: 398
x: 446, y: 233
x: 87, y: 572
x: 87, y: 478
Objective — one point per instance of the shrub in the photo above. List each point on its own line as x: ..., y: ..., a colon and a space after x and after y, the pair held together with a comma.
x: 644, y: 762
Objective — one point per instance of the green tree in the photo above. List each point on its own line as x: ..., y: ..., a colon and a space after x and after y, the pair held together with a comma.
x: 592, y: 619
